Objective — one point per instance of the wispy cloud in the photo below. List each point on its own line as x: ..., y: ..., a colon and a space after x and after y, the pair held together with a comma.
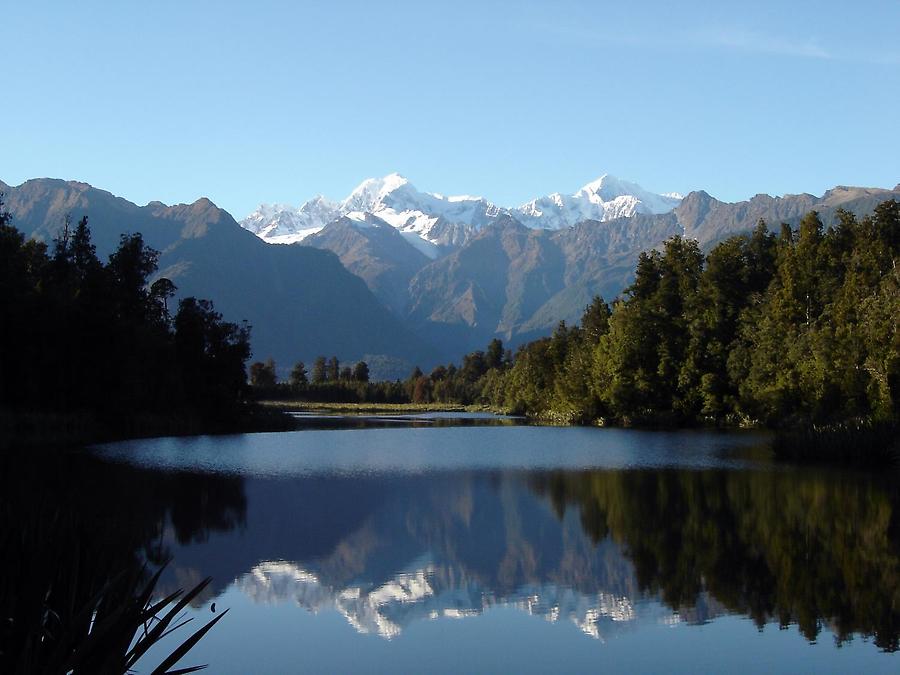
x: 769, y: 43
x: 757, y: 42
x: 726, y: 38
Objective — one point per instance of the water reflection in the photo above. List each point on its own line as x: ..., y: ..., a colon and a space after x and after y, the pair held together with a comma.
x: 608, y: 550
x: 432, y: 592
x: 71, y: 527
x: 591, y: 547
x: 813, y: 549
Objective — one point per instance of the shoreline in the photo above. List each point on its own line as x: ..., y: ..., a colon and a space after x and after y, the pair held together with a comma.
x: 36, y: 429
x: 864, y: 444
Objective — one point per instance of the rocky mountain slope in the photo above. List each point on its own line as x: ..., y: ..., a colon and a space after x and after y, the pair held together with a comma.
x: 376, y: 252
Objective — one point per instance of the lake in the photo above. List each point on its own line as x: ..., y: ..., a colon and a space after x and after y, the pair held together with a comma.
x: 420, y: 545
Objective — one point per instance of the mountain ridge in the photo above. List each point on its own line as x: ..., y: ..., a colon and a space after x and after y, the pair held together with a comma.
x: 426, y: 303
x: 552, y: 278
x: 300, y: 301
x: 394, y: 199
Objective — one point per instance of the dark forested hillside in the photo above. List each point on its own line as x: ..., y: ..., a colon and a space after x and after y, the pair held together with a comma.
x: 95, y: 340
x: 300, y: 301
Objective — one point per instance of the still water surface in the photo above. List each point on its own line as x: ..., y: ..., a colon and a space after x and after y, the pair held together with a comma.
x: 513, y: 549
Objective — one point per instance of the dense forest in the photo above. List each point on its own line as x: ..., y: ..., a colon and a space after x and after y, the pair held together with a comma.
x: 798, y: 326
x: 776, y: 329
x: 96, y: 343
x: 779, y: 329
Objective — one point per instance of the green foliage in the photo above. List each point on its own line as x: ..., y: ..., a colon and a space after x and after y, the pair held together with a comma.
x: 799, y: 328
x: 796, y: 328
x: 298, y: 375
x: 350, y: 386
x: 263, y: 374
x: 333, y: 370
x: 318, y: 374
x: 361, y: 372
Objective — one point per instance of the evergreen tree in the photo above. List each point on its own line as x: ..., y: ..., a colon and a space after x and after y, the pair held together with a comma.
x: 361, y: 372
x: 83, y: 336
x: 334, y: 369
x: 473, y: 366
x: 319, y: 373
x: 493, y: 357
x: 298, y: 375
x: 803, y: 326
x: 263, y: 375
x: 161, y: 291
x: 595, y: 320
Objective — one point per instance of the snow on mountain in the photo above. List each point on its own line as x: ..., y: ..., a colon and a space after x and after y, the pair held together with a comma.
x: 430, y: 220
x: 283, y: 224
x: 603, y: 199
x: 395, y: 200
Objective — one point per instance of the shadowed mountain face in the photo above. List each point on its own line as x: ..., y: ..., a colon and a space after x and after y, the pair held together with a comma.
x: 377, y: 253
x: 300, y: 301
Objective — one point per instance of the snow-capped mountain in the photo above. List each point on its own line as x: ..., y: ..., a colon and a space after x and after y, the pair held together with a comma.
x: 283, y: 224
x: 395, y: 200
x: 603, y: 199
x: 430, y: 220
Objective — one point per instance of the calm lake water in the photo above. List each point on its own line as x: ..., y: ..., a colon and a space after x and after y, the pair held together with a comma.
x: 440, y: 548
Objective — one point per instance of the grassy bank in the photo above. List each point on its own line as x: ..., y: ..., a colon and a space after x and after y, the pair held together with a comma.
x: 363, y: 408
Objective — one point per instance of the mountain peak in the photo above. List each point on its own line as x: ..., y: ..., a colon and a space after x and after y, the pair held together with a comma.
x: 608, y: 187
x: 372, y: 191
x: 597, y: 184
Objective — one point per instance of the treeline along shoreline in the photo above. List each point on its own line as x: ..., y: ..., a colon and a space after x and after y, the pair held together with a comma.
x: 92, y: 351
x: 766, y: 329
x: 794, y: 329
x: 770, y: 329
x: 791, y: 330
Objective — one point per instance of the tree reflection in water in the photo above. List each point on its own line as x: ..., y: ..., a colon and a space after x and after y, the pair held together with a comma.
x: 816, y: 548
x: 73, y: 529
x: 807, y: 547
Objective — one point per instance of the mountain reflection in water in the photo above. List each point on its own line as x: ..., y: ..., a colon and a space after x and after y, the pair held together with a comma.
x: 816, y: 549
x: 608, y: 550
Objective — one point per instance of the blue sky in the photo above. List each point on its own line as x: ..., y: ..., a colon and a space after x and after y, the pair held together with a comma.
x: 265, y: 101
